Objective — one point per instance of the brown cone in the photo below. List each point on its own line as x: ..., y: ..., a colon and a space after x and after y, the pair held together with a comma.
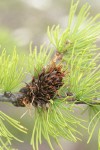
x: 40, y: 90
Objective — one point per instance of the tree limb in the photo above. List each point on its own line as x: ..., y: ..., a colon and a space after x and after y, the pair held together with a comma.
x: 12, y: 98
x: 16, y: 97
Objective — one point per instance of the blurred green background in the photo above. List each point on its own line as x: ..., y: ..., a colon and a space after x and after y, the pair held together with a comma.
x: 23, y: 21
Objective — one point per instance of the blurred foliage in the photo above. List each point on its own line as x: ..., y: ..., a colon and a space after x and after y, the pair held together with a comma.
x: 7, y: 40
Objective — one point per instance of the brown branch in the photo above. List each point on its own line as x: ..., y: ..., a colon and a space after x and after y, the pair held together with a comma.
x: 11, y: 98
x: 16, y: 98
x: 73, y: 100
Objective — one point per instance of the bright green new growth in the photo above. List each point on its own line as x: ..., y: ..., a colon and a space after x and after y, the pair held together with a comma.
x: 6, y: 135
x: 99, y: 139
x: 93, y: 123
x: 84, y: 79
x: 81, y: 33
x: 11, y: 71
x: 79, y: 57
x: 77, y: 44
x: 55, y: 123
x: 38, y: 60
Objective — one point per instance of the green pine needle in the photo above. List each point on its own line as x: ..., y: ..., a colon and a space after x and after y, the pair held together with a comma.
x: 80, y: 59
x: 5, y: 134
x: 77, y: 43
x: 92, y: 125
x: 84, y: 30
x: 84, y: 79
x: 38, y: 59
x: 55, y: 123
x: 99, y: 140
x: 11, y: 71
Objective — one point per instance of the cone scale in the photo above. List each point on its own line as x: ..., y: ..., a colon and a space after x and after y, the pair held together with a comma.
x: 43, y: 88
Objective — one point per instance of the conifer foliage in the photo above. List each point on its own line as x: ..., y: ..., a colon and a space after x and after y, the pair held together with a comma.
x: 64, y: 74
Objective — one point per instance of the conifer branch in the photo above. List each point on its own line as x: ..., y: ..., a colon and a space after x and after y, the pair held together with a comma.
x: 11, y: 98
x: 15, y: 98
x: 74, y: 68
